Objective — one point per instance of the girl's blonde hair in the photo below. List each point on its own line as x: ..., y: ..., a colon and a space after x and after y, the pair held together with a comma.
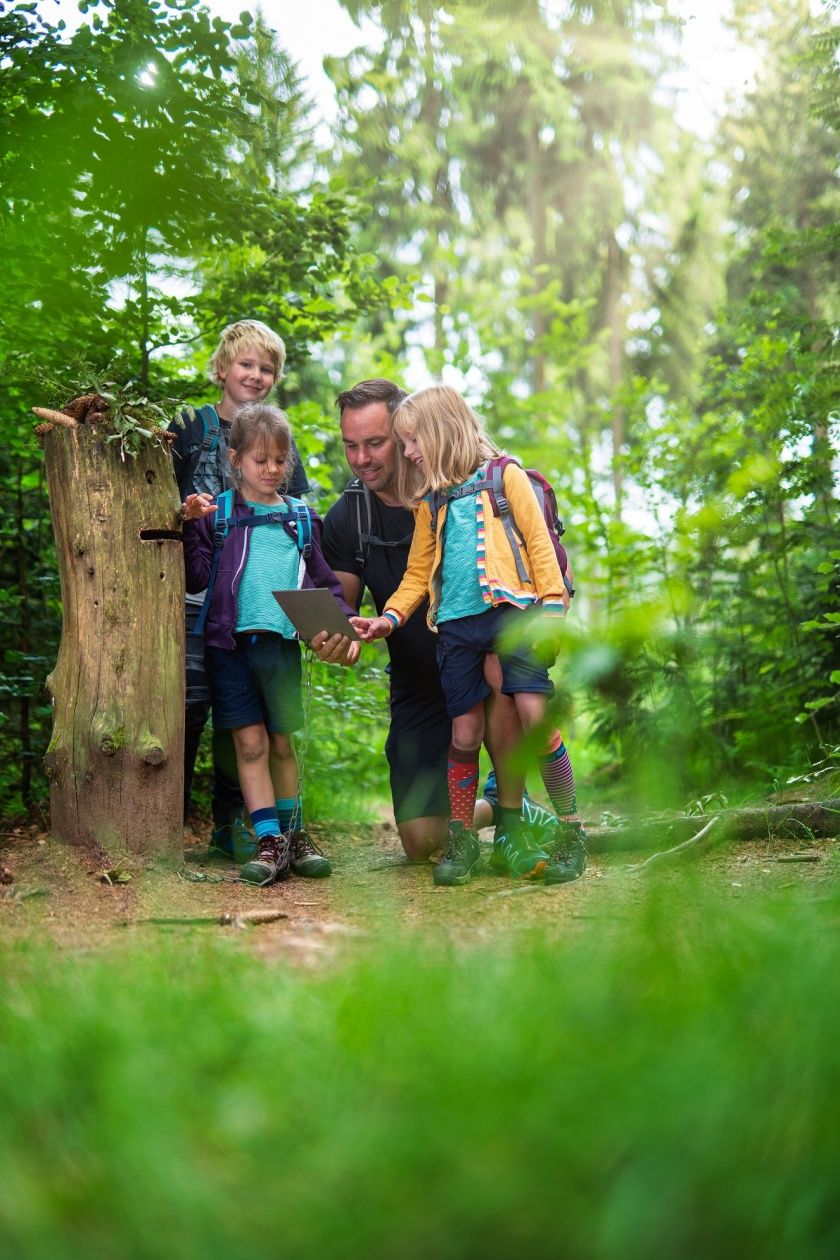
x: 246, y: 332
x: 258, y: 425
x: 450, y: 437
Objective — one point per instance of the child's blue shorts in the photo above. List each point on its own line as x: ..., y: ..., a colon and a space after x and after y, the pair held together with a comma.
x: 461, y: 649
x: 258, y: 683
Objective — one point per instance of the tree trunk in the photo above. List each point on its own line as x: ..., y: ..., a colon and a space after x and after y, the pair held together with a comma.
x: 115, y: 760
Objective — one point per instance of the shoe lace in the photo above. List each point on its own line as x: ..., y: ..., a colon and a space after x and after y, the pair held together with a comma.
x: 302, y: 845
x: 568, y: 843
x: 273, y: 849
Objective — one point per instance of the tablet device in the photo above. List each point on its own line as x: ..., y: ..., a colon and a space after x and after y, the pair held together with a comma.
x: 314, y: 609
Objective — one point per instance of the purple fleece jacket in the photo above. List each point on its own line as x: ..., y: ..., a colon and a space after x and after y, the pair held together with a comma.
x: 198, y: 557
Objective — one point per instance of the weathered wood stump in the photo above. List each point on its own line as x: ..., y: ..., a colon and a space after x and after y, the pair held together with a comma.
x: 115, y: 760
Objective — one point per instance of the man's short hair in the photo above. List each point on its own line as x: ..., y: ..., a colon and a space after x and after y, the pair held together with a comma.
x: 246, y: 332
x: 377, y: 390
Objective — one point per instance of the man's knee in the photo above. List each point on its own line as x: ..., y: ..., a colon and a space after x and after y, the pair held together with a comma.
x: 421, y: 837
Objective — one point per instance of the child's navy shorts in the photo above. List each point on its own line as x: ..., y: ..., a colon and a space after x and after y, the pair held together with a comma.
x: 258, y: 684
x: 461, y: 649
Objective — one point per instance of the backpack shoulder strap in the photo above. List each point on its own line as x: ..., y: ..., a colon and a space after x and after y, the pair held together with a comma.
x: 210, y: 423
x: 221, y: 527
x: 502, y: 509
x: 303, y: 522
x: 360, y: 493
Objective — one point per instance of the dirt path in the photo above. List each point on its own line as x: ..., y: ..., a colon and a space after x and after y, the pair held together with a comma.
x: 50, y: 891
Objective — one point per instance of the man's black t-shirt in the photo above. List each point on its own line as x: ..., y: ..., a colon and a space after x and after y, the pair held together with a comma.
x: 412, y: 647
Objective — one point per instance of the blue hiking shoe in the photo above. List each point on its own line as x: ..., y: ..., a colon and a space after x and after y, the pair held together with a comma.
x: 517, y: 853
x: 462, y: 853
x: 234, y: 841
x: 491, y: 789
x: 568, y: 856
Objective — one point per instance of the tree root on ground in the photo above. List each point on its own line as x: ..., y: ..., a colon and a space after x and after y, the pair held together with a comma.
x: 806, y: 820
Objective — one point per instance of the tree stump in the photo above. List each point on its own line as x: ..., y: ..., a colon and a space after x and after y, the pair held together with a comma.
x: 115, y: 760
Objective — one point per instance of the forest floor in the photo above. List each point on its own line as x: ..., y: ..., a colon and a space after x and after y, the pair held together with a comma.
x: 50, y: 891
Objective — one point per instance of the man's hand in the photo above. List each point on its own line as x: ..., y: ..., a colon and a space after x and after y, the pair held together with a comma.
x: 335, y: 649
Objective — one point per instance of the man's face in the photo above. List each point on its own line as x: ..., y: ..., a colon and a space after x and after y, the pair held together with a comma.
x: 370, y: 446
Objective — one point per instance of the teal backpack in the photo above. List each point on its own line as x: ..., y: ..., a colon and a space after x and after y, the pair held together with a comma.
x: 296, y: 512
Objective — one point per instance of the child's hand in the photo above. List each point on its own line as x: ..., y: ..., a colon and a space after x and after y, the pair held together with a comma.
x: 197, y: 505
x: 370, y: 628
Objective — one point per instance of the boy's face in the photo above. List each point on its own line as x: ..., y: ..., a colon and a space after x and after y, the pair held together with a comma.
x: 249, y: 378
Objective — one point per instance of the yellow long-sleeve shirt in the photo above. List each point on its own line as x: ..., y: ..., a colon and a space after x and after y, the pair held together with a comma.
x: 497, y: 574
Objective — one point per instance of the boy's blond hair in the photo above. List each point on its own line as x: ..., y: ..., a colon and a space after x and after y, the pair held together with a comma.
x: 450, y: 437
x: 246, y: 332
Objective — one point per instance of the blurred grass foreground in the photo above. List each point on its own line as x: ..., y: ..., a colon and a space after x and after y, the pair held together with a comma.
x: 661, y: 1083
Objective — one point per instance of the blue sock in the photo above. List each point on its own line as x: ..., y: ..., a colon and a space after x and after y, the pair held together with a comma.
x: 266, y: 822
x: 286, y: 812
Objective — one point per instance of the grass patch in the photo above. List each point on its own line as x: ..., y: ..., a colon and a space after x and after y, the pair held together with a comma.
x: 665, y: 1085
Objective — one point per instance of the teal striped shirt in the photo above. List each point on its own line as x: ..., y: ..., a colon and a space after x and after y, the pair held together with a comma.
x: 273, y: 565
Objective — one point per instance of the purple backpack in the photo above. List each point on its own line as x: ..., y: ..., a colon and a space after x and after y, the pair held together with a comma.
x: 492, y: 482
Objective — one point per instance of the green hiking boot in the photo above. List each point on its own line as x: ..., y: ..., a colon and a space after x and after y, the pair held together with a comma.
x: 271, y: 862
x: 462, y: 853
x: 517, y: 853
x: 306, y: 858
x: 541, y: 822
x: 568, y: 857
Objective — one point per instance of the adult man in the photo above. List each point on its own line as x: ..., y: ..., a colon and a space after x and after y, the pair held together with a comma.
x: 372, y: 551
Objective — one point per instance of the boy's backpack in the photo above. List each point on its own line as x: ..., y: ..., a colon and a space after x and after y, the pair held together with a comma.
x: 493, y: 482
x: 225, y: 522
x: 210, y: 439
x: 360, y: 493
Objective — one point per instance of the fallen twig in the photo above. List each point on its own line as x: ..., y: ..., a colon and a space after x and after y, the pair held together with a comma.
x: 797, y: 857
x: 242, y: 919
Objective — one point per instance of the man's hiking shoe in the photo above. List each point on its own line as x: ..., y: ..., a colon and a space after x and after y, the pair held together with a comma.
x: 271, y: 862
x: 491, y: 789
x: 306, y: 858
x: 568, y: 858
x: 541, y: 822
x: 462, y: 853
x: 235, y: 841
x: 518, y: 854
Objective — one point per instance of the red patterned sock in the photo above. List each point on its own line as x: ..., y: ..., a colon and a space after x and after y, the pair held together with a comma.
x: 462, y: 778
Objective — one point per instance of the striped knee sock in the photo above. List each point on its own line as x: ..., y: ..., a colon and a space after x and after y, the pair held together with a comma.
x: 286, y: 806
x: 266, y: 822
x: 558, y: 777
x: 462, y: 779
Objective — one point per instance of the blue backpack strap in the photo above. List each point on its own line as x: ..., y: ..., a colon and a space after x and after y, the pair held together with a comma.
x: 501, y: 508
x: 221, y: 527
x: 303, y: 521
x: 210, y: 422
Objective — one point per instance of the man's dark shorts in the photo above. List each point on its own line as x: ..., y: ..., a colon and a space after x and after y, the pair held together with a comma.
x: 462, y: 647
x: 258, y: 684
x: 417, y: 748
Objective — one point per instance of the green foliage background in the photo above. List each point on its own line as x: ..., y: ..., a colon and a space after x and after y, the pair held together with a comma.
x: 665, y: 1083
x: 507, y: 200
